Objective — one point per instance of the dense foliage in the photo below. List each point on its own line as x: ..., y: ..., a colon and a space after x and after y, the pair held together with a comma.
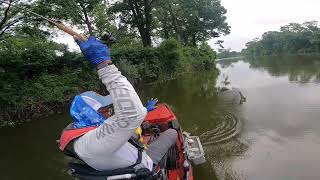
x: 227, y: 53
x: 292, y: 38
x: 190, y: 21
x: 38, y: 74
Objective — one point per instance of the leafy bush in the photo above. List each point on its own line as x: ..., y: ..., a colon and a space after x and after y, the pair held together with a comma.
x: 202, y: 58
x: 37, y: 75
x: 171, y: 56
x: 141, y: 64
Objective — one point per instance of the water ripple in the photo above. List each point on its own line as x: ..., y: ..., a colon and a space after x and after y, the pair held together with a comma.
x: 228, y: 128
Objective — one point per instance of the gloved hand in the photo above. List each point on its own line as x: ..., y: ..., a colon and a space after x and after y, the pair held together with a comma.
x: 94, y: 50
x: 151, y: 104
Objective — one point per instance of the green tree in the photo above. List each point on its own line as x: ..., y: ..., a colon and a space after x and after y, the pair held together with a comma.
x: 292, y: 38
x: 192, y: 21
x: 92, y: 16
x: 12, y: 18
x: 227, y: 53
x: 37, y: 74
x: 137, y: 13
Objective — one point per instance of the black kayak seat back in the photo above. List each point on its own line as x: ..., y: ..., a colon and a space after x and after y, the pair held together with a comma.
x: 86, y: 172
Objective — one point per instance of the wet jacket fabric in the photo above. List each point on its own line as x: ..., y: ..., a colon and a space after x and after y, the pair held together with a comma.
x: 106, y: 147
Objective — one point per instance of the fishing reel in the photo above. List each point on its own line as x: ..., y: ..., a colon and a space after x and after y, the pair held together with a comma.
x: 108, y: 39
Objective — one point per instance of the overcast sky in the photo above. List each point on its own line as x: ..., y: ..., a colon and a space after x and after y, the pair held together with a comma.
x: 251, y: 18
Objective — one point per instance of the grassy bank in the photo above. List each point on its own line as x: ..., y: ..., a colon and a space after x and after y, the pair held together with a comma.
x: 39, y: 76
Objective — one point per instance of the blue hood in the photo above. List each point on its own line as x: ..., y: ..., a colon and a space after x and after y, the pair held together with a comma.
x: 83, y: 115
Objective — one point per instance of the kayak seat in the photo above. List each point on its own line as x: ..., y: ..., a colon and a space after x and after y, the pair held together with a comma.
x: 85, y: 169
x: 85, y: 172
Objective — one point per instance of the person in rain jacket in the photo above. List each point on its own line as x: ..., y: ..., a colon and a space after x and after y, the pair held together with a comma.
x: 102, y: 125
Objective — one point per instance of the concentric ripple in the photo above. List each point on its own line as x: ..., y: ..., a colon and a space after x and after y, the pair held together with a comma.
x: 228, y: 128
x: 228, y: 123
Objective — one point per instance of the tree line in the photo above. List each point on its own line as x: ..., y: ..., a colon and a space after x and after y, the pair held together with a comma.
x: 155, y: 40
x: 191, y: 22
x: 227, y: 53
x: 292, y: 38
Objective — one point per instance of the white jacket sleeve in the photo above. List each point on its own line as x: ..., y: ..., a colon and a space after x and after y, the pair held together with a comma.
x: 116, y: 130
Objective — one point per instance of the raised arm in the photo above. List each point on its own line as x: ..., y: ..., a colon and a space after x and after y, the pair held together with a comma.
x: 129, y: 111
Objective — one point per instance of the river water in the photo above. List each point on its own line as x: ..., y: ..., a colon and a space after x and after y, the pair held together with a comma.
x: 273, y: 135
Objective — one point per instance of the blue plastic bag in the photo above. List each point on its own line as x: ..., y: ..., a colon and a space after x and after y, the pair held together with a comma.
x: 84, y: 115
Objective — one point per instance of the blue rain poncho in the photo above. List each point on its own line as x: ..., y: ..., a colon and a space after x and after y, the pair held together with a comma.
x: 84, y: 113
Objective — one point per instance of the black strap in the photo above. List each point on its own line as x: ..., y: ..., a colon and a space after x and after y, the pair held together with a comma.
x: 138, y: 160
x: 136, y: 143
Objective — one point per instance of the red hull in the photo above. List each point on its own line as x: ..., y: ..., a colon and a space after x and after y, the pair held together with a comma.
x: 164, y: 117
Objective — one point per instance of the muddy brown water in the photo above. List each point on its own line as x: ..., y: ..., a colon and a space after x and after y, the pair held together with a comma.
x: 273, y: 135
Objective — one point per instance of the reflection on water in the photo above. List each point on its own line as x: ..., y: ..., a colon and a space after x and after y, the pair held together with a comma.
x: 281, y: 124
x: 299, y: 69
x: 31, y: 152
x: 275, y: 134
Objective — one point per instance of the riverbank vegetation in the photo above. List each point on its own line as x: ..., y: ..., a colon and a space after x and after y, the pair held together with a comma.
x: 155, y: 40
x: 227, y: 53
x: 293, y: 38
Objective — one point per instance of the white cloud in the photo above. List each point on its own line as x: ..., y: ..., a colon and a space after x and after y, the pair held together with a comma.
x: 68, y: 40
x: 251, y: 18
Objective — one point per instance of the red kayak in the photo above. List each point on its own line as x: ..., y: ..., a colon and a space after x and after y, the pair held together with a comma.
x: 176, y: 165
